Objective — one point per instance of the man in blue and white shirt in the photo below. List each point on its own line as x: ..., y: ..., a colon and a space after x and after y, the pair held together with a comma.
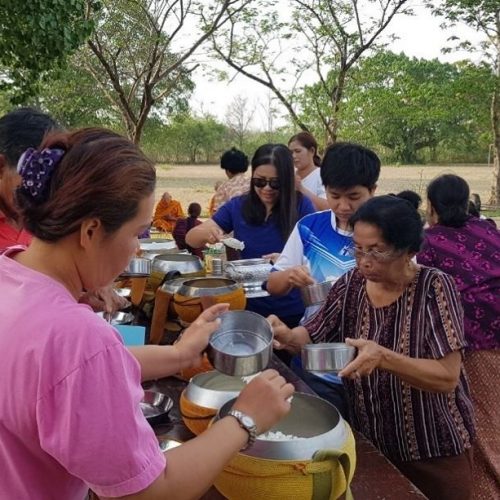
x: 318, y: 247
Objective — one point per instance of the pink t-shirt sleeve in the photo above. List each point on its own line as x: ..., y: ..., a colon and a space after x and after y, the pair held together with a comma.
x: 91, y: 423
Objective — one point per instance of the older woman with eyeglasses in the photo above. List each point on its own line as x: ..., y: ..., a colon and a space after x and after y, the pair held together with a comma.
x: 263, y: 219
x: 407, y: 389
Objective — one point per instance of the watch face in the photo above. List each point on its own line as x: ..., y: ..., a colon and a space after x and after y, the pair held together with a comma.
x: 247, y: 421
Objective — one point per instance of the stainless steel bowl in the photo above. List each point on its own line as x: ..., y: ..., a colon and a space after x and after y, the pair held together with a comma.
x: 149, y: 244
x: 213, y: 389
x: 137, y: 268
x: 117, y: 318
x: 327, y: 357
x: 184, y: 263
x: 155, y: 406
x: 151, y: 248
x: 169, y: 444
x: 242, y: 345
x: 209, y: 286
x: 315, y: 293
x: 251, y: 273
x: 311, y: 418
x: 123, y: 292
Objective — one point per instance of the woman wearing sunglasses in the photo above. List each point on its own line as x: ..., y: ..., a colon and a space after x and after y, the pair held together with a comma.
x: 406, y: 387
x: 263, y: 219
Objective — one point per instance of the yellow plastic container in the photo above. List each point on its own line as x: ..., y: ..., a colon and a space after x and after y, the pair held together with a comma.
x: 326, y: 477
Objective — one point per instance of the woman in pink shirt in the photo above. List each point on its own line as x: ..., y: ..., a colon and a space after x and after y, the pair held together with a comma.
x: 85, y: 197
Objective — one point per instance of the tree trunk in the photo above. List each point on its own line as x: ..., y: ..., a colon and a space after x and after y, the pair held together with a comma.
x: 338, y: 91
x: 495, y: 120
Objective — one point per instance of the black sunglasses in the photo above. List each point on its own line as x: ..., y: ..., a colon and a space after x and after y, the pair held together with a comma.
x: 260, y: 182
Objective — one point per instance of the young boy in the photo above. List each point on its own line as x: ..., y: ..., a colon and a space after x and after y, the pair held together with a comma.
x: 317, y: 249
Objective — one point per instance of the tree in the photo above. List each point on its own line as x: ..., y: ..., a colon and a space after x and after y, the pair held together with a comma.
x: 483, y: 16
x: 330, y: 37
x: 37, y: 36
x: 71, y: 97
x: 408, y: 105
x: 239, y: 115
x: 139, y: 72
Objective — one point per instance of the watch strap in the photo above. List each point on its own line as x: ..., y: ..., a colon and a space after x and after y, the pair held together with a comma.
x: 251, y: 429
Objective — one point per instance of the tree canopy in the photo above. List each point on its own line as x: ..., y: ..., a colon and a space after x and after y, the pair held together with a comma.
x: 37, y: 36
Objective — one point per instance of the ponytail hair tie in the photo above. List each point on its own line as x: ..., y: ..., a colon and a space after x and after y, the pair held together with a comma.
x: 36, y: 169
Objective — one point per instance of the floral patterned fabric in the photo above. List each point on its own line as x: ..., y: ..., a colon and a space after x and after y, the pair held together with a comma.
x: 471, y: 254
x: 236, y: 186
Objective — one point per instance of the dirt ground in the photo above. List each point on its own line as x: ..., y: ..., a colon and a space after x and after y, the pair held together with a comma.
x: 188, y: 183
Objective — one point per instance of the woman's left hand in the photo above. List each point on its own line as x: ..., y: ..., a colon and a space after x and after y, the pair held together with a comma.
x: 104, y: 299
x: 196, y: 336
x: 369, y: 358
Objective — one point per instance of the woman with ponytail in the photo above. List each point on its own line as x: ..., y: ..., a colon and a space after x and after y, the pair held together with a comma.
x: 306, y: 161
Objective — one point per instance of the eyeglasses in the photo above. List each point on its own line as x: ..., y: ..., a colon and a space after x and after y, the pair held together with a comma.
x: 260, y: 182
x: 373, y: 254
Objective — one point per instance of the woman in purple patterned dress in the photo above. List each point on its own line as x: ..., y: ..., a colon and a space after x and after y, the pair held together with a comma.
x: 468, y: 248
x: 407, y: 389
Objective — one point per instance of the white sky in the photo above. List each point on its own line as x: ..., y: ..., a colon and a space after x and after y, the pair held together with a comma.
x: 419, y: 36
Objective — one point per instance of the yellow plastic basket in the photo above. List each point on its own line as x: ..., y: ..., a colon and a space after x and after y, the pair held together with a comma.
x: 326, y: 477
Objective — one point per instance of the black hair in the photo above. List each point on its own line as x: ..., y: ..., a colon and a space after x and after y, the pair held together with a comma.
x: 476, y: 199
x: 414, y: 198
x: 308, y: 141
x: 397, y: 219
x: 21, y: 129
x: 194, y: 211
x: 449, y: 197
x: 346, y: 165
x: 285, y: 211
x: 472, y: 209
x: 101, y: 175
x: 235, y: 161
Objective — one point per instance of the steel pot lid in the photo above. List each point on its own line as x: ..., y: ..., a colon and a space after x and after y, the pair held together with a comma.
x: 208, y: 286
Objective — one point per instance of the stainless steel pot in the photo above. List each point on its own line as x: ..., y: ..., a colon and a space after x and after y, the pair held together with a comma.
x: 137, y: 268
x: 242, y: 345
x: 213, y: 389
x: 311, y: 418
x: 184, y: 263
x: 251, y: 273
x: 327, y: 357
x: 316, y: 293
x: 117, y: 318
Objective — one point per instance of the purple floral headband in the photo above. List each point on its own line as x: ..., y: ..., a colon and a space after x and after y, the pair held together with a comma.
x: 36, y: 168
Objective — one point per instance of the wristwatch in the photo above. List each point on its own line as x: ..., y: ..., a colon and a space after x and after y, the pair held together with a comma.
x: 246, y: 423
